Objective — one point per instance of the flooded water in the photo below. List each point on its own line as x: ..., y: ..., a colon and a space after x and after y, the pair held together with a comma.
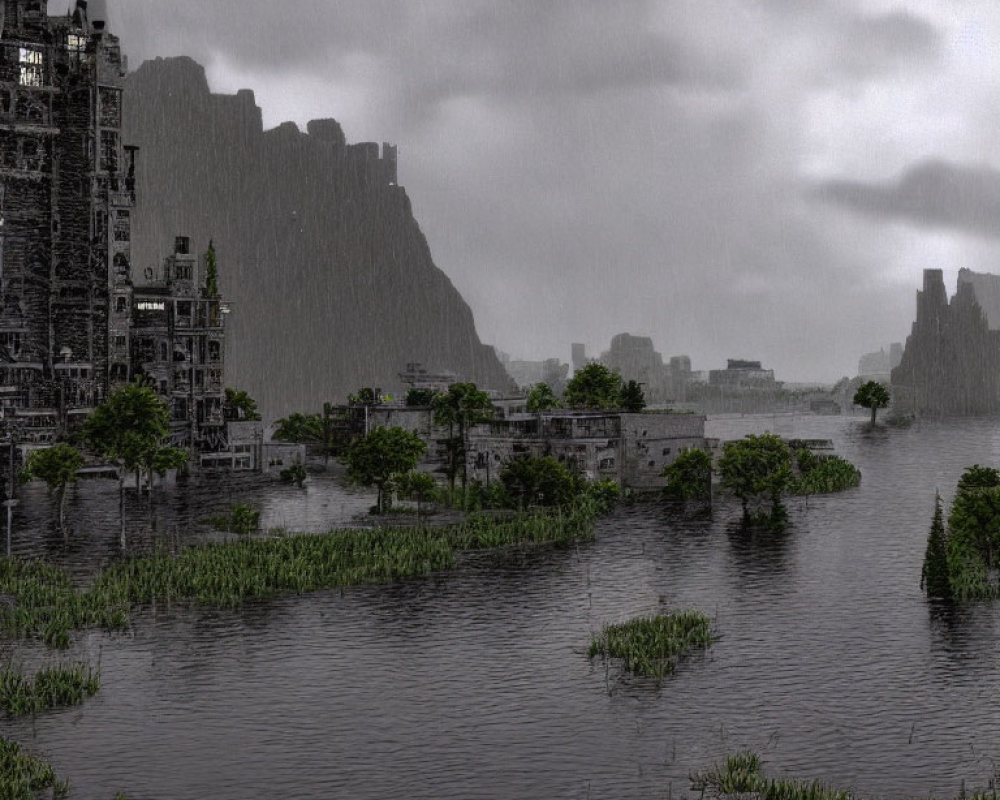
x: 476, y: 683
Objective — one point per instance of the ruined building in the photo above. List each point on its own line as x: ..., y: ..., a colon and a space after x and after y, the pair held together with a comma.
x: 951, y: 362
x: 169, y: 330
x: 66, y: 198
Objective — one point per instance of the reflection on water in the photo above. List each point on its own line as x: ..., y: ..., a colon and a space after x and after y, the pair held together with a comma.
x: 476, y: 683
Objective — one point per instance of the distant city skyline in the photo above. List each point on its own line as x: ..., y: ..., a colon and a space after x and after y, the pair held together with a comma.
x: 761, y: 180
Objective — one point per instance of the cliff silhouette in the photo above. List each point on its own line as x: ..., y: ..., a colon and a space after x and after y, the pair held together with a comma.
x: 951, y: 362
x: 330, y: 280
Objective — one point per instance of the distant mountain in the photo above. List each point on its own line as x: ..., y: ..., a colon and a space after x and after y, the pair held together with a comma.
x: 331, y: 281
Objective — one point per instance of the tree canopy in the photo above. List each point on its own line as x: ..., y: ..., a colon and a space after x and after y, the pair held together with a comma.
x: 689, y: 476
x: 128, y: 429
x: 57, y: 466
x: 240, y: 406
x: 595, y: 386
x: 541, y: 398
x: 873, y: 395
x: 631, y: 397
x: 381, y: 455
x: 756, y: 467
x: 538, y: 481
x: 461, y: 407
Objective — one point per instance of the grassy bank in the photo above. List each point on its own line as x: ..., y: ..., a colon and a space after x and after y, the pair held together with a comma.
x: 651, y: 646
x: 39, y: 601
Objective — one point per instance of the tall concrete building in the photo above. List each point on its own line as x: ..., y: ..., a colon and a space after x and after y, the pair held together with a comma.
x: 66, y: 199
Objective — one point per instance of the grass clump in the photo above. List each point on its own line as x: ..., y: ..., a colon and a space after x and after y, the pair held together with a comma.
x: 741, y: 775
x: 24, y: 777
x: 53, y: 687
x: 823, y: 474
x: 39, y: 601
x: 650, y: 646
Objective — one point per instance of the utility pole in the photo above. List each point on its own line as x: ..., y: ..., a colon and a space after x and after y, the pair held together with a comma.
x: 11, y: 500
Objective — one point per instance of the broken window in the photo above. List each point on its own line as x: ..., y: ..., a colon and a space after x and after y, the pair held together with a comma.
x: 111, y: 107
x: 120, y: 304
x: 32, y: 67
x: 76, y: 47
x: 122, y: 219
x: 109, y: 151
x: 120, y: 342
x: 214, y: 350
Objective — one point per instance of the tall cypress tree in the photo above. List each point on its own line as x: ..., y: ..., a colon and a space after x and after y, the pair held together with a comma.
x: 935, y: 578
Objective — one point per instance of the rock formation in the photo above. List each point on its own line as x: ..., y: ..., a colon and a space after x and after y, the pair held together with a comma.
x: 951, y: 363
x: 331, y: 280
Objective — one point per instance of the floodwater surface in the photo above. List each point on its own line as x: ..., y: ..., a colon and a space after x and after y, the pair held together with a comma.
x: 475, y: 683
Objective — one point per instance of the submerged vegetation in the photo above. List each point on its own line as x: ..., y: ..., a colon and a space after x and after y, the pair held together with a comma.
x: 961, y: 561
x: 651, y: 646
x: 23, y: 777
x: 741, y: 775
x: 823, y: 474
x: 53, y: 687
x: 45, y: 605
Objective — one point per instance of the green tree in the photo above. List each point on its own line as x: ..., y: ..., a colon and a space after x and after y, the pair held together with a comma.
x: 631, y: 397
x: 366, y: 396
x: 57, y: 466
x: 873, y: 395
x: 541, y: 398
x: 974, y: 520
x: 538, y: 481
x: 380, y: 456
x: 689, y: 476
x: 211, y: 272
x: 299, y: 428
x: 316, y: 430
x: 128, y: 429
x: 595, y: 386
x: 756, y: 466
x: 935, y: 577
x: 240, y: 406
x: 461, y: 407
x: 419, y: 486
x: 419, y: 398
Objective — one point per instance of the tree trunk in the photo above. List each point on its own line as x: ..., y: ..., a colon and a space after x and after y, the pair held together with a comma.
x: 62, y: 513
x: 121, y: 504
x: 873, y: 416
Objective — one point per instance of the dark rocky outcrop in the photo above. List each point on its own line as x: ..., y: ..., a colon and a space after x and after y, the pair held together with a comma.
x: 951, y: 363
x: 331, y: 281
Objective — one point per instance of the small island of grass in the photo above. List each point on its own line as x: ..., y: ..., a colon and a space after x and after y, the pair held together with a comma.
x: 57, y: 686
x: 650, y: 646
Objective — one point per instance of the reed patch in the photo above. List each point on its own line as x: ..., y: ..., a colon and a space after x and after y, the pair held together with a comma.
x: 651, y: 646
x: 57, y: 686
x: 23, y: 776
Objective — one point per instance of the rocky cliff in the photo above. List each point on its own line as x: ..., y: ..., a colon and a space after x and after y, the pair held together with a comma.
x: 331, y: 282
x: 951, y: 363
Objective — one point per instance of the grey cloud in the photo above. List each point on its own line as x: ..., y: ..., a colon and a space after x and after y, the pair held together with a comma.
x: 873, y: 44
x: 436, y: 49
x: 931, y: 194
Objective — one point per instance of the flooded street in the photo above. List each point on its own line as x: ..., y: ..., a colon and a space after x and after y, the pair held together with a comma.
x: 476, y: 684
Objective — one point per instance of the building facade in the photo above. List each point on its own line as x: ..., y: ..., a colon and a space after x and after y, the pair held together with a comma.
x: 67, y: 190
x: 170, y: 331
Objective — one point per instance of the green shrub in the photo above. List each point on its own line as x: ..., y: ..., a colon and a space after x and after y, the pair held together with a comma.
x: 823, y: 475
x: 650, y: 646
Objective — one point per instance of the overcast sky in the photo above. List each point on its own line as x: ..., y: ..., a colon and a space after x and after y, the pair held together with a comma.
x: 761, y: 179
